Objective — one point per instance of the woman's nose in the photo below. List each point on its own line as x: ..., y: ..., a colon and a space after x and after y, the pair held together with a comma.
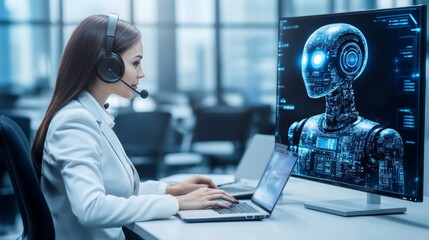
x: 141, y: 74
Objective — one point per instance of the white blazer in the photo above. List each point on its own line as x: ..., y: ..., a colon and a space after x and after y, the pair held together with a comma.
x: 88, y: 180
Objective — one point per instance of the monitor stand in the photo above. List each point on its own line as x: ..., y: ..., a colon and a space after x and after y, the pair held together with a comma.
x: 356, y: 207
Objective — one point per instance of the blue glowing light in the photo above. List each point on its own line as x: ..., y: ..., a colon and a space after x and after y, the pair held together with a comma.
x: 304, y: 60
x: 413, y: 19
x: 352, y: 59
x: 317, y: 59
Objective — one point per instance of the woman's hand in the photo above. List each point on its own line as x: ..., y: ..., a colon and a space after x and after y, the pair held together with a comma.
x: 203, y: 198
x: 189, y: 185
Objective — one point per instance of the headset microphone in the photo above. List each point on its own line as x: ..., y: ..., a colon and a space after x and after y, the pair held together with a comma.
x: 143, y: 93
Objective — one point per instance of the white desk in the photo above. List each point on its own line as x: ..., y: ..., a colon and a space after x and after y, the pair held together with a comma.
x: 290, y: 220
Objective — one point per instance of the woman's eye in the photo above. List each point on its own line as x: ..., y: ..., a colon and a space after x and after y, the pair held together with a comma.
x: 136, y: 63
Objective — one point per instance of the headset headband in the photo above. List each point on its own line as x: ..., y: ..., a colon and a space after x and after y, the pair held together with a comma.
x: 111, y: 31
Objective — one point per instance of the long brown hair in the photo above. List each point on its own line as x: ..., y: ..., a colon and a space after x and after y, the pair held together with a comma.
x: 77, y: 68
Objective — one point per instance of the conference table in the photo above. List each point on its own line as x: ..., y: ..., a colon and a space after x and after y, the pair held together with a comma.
x: 291, y: 220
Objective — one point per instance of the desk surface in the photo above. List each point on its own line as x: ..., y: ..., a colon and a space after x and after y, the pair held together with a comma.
x: 290, y: 220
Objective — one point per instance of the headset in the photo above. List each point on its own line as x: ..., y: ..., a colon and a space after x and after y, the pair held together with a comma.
x: 110, y: 67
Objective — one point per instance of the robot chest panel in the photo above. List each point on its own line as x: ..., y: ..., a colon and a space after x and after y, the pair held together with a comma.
x: 346, y: 145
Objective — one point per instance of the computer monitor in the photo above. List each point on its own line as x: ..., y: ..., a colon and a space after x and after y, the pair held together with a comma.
x: 350, y: 102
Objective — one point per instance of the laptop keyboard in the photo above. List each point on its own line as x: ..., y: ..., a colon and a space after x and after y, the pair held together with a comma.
x: 242, y: 207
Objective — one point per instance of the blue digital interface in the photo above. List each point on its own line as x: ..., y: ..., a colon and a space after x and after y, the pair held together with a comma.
x: 351, y: 96
x: 326, y: 143
x: 274, y: 178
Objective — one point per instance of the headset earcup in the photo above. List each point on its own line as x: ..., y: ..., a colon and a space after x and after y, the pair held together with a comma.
x: 110, y: 68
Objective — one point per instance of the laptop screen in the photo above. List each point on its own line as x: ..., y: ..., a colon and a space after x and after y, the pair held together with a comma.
x: 274, y: 178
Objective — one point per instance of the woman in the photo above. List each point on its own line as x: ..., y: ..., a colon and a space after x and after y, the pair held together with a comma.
x: 90, y: 185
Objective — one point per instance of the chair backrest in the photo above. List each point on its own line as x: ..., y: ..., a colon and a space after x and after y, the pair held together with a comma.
x: 143, y: 133
x: 217, y: 125
x: 15, y: 151
x: 262, y: 119
x: 24, y: 123
x: 144, y: 136
x: 222, y: 123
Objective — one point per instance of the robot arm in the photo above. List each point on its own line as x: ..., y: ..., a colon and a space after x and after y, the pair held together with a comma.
x: 294, y: 134
x: 387, y: 151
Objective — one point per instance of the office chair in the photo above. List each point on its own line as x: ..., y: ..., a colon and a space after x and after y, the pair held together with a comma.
x: 24, y: 122
x: 144, y: 136
x: 217, y: 126
x: 7, y: 195
x: 262, y: 119
x: 15, y: 151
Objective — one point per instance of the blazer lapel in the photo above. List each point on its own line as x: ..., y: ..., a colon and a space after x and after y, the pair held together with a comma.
x: 106, y: 123
x: 120, y: 153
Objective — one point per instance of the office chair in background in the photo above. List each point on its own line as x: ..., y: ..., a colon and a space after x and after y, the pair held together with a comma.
x: 262, y: 119
x: 221, y: 134
x: 144, y: 136
x: 15, y: 152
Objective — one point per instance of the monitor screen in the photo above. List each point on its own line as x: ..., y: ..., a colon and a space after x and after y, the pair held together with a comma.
x: 350, y: 98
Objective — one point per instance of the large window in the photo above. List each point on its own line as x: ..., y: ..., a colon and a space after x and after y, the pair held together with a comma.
x: 227, y: 47
x: 195, y: 45
x: 25, y: 46
x: 248, y: 49
x: 145, y: 17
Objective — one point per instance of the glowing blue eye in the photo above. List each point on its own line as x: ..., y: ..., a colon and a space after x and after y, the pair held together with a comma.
x: 317, y: 59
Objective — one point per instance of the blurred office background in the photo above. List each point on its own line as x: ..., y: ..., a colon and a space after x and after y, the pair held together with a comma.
x: 203, y: 59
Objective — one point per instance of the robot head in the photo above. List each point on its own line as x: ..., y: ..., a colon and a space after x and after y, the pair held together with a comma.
x: 332, y: 53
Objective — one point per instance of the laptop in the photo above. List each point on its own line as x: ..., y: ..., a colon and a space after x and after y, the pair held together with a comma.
x: 250, y: 167
x: 243, y: 183
x: 263, y: 201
